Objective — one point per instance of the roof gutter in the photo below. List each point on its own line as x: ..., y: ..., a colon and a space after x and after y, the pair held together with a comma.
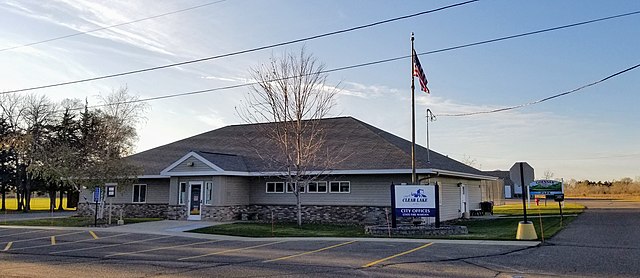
x: 330, y: 172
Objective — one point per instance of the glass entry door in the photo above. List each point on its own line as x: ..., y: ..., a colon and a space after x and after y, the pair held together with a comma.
x: 195, y: 200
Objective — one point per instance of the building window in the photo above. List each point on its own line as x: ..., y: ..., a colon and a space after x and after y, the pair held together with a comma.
x: 208, y: 192
x: 275, y: 187
x: 182, y: 195
x: 317, y: 187
x: 139, y: 193
x: 290, y: 186
x: 340, y: 187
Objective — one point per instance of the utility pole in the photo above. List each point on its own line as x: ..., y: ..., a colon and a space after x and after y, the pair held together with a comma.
x: 430, y: 118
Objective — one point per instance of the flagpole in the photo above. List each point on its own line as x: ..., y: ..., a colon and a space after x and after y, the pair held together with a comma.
x: 413, y: 117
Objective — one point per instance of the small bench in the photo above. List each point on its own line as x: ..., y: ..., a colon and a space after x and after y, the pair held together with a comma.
x: 476, y: 212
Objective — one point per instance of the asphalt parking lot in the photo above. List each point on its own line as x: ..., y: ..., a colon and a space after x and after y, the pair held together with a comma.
x: 105, y: 254
x: 602, y: 242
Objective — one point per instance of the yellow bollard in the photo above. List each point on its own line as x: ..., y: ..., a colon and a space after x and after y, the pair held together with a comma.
x: 526, y: 231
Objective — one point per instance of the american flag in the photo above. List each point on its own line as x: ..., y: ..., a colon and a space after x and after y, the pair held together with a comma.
x: 419, y: 73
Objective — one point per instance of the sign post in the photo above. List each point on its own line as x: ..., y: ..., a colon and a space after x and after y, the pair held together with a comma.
x: 96, y: 199
x: 523, y: 172
x: 393, y: 207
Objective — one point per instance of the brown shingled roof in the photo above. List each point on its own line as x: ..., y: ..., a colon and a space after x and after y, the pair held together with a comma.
x: 357, y: 146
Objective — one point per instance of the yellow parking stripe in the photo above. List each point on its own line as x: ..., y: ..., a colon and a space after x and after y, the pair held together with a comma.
x: 108, y: 245
x: 310, y: 252
x: 8, y: 246
x: 69, y: 242
x: 46, y: 237
x: 160, y: 248
x: 93, y: 235
x: 397, y: 255
x: 229, y: 250
x: 53, y: 240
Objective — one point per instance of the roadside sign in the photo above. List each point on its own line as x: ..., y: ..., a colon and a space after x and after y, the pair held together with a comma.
x: 419, y: 200
x: 415, y: 200
x: 545, y: 187
x: 96, y: 195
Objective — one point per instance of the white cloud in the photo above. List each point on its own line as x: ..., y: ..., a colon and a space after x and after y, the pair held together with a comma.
x: 226, y: 79
x: 82, y: 16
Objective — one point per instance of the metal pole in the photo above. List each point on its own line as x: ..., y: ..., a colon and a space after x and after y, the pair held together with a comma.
x: 428, y: 155
x: 524, y: 192
x: 95, y: 218
x: 393, y: 206
x: 430, y: 117
x: 437, y: 199
x: 413, y: 117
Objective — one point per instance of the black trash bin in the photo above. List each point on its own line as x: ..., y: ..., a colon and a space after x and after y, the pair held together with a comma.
x: 487, y: 207
x: 72, y: 199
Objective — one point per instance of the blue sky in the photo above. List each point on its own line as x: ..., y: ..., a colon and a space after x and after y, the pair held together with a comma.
x: 592, y: 134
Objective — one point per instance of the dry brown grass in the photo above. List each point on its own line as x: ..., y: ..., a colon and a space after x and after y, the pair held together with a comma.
x: 625, y: 188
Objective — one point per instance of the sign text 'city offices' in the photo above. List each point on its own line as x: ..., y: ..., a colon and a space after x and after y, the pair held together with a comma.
x: 415, y: 200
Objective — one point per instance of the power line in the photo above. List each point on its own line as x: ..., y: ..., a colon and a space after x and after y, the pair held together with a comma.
x: 560, y: 159
x: 366, y: 64
x: 544, y: 99
x: 406, y: 57
x: 336, y: 32
x: 241, y: 51
x: 110, y: 27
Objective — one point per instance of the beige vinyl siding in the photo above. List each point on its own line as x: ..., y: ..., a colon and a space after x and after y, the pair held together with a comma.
x: 227, y: 190
x: 369, y: 190
x: 449, y: 201
x: 157, y: 192
x: 198, y: 166
x: 450, y: 196
x: 474, y: 197
x: 173, y: 191
x: 175, y: 186
x: 234, y: 191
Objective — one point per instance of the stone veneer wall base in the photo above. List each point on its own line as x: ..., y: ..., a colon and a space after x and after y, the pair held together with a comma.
x: 128, y: 210
x: 322, y: 214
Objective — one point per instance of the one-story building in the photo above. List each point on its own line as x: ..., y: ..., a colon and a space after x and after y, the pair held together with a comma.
x: 509, y: 188
x: 222, y: 175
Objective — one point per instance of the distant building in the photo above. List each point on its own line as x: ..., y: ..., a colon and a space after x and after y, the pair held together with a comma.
x: 221, y: 175
x: 509, y: 187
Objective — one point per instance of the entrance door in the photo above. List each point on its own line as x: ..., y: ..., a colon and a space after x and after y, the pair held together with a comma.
x: 463, y: 200
x: 195, y: 201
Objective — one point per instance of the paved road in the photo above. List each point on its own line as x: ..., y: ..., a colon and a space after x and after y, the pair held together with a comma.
x: 602, y: 242
x: 34, y: 215
x: 78, y: 253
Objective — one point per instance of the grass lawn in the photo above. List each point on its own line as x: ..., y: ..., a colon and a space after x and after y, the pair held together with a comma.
x: 490, y: 229
x: 72, y: 221
x: 37, y: 204
x: 550, y: 209
x: 283, y: 230
x: 505, y: 228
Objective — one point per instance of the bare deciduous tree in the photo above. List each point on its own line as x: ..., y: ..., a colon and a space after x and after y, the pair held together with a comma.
x: 110, y: 137
x: 291, y: 95
x: 468, y: 160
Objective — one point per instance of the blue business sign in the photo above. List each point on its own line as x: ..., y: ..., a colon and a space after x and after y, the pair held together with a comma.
x: 96, y: 195
x: 415, y: 200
